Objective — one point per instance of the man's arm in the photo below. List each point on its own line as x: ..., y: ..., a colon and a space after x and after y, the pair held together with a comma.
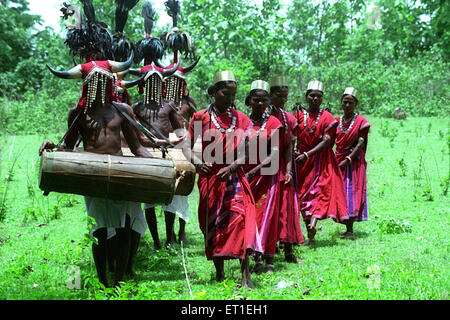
x: 71, y: 138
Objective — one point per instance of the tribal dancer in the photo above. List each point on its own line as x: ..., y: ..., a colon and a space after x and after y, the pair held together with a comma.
x: 155, y: 113
x: 351, y: 145
x: 289, y: 230
x: 321, y: 193
x: 99, y: 121
x: 226, y: 209
x: 264, y: 150
x: 176, y: 91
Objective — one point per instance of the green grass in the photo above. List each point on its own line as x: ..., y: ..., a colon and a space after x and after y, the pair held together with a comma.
x: 400, y: 253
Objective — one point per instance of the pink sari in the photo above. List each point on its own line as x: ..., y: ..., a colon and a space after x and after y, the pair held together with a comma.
x: 289, y: 230
x: 355, y: 180
x: 321, y: 193
x: 265, y: 189
x: 230, y: 208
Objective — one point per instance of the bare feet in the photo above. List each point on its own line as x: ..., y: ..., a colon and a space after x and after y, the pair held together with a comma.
x: 247, y: 283
x: 268, y: 268
x: 347, y: 235
x: 220, y: 276
x: 258, y: 267
x: 290, y: 257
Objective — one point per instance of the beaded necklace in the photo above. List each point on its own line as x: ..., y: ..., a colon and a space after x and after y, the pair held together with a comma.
x: 275, y: 110
x: 264, y: 117
x: 341, y: 124
x: 217, y: 124
x: 305, y: 119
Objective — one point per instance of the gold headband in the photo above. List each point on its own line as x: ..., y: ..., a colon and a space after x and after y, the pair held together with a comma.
x: 278, y: 82
x: 260, y: 85
x: 352, y: 92
x: 315, y: 85
x: 224, y: 76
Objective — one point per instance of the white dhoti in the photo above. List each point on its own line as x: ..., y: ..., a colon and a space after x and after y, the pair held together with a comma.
x: 111, y: 214
x: 179, y: 206
x: 106, y: 212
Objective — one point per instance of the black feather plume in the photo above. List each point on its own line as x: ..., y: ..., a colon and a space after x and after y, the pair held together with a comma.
x: 123, y: 7
x: 89, y: 11
x: 149, y: 17
x: 92, y: 38
x: 173, y: 7
x: 122, y: 47
x: 149, y: 49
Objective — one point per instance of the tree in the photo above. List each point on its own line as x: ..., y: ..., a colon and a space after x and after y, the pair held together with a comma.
x: 17, y: 28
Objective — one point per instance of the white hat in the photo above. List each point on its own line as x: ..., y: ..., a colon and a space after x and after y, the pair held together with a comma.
x: 224, y: 76
x: 260, y: 85
x: 352, y: 92
x: 315, y: 85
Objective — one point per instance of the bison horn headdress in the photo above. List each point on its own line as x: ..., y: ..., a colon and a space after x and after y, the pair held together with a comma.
x: 91, y: 40
x: 151, y: 50
x: 177, y: 41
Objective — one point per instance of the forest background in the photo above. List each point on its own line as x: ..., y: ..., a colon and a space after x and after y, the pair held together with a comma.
x: 396, y: 52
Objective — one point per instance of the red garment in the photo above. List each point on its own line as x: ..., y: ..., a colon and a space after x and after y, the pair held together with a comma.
x: 231, y: 208
x: 355, y: 180
x: 265, y: 188
x: 85, y: 69
x: 289, y: 230
x: 321, y: 193
x: 144, y: 69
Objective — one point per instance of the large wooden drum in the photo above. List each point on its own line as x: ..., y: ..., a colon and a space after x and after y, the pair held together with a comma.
x: 183, y: 187
x: 149, y: 180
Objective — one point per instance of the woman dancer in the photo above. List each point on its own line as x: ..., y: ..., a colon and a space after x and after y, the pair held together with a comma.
x: 226, y: 206
x: 289, y: 230
x: 321, y: 193
x: 351, y: 144
x: 262, y: 171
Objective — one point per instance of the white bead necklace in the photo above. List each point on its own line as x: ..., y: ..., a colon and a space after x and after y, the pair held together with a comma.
x: 341, y: 124
x: 264, y: 117
x: 305, y: 120
x: 217, y: 124
x: 275, y: 110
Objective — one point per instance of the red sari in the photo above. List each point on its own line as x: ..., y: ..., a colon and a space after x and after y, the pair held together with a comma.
x: 265, y: 188
x: 289, y: 230
x: 321, y: 193
x: 231, y: 229
x: 355, y: 181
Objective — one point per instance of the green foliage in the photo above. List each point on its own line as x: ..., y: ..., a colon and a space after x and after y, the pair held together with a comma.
x: 394, y: 226
x: 395, y: 52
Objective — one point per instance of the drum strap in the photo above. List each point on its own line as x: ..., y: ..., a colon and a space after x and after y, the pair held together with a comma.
x: 71, y: 127
x: 141, y: 119
x: 142, y: 129
x: 109, y: 175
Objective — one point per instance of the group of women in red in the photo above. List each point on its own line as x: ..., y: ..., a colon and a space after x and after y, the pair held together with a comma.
x: 252, y: 205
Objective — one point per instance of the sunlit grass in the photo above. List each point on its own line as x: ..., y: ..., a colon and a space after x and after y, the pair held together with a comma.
x: 400, y: 253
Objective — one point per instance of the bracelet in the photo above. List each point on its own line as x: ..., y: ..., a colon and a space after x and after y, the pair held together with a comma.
x: 306, y: 155
x: 349, y: 159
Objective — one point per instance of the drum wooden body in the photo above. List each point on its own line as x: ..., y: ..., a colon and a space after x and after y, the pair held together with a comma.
x: 148, y: 180
x: 183, y: 187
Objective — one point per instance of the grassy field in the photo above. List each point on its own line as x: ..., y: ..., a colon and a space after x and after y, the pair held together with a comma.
x: 400, y: 253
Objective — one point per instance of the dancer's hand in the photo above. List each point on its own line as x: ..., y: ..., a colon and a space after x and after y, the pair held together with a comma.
x: 203, y: 168
x: 226, y: 172
x: 288, y: 180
